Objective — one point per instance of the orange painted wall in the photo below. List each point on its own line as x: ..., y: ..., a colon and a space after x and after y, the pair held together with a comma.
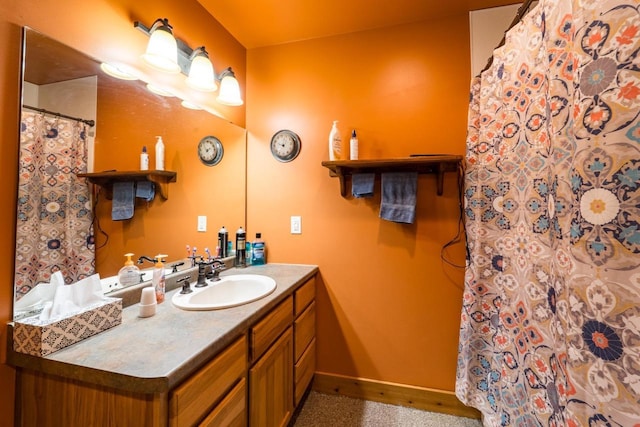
x: 388, y: 307
x: 166, y: 226
x: 103, y: 29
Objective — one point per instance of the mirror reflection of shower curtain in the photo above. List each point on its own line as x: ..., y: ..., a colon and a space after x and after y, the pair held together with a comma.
x: 54, y: 229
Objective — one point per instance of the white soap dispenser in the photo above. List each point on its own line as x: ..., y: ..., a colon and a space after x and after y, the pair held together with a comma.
x: 159, y: 154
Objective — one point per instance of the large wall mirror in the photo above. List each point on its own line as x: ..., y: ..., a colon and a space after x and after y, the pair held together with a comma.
x: 127, y: 116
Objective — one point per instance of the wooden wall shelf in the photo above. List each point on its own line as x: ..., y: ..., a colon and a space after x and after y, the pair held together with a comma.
x: 106, y: 179
x: 436, y: 164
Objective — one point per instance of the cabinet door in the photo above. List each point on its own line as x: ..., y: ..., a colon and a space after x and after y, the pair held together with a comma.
x: 271, y: 385
x: 231, y: 411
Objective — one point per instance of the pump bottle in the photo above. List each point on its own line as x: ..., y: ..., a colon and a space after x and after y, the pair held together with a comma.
x: 158, y: 280
x: 129, y: 274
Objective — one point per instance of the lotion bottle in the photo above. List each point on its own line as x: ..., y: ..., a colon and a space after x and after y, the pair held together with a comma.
x: 335, y: 143
x: 129, y: 274
x: 159, y: 154
x: 144, y: 159
x: 158, y: 280
x: 353, y: 146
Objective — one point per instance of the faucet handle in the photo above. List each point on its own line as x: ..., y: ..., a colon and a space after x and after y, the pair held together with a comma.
x: 174, y: 267
x: 186, y: 286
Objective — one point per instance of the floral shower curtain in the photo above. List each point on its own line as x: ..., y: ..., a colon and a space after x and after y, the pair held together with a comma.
x: 550, y: 324
x: 54, y: 220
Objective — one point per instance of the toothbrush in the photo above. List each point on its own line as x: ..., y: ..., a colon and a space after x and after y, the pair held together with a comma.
x: 208, y: 253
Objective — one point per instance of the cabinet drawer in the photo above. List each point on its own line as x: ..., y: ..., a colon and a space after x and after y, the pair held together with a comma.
x: 304, y: 295
x: 231, y: 411
x: 304, y: 329
x: 194, y: 398
x: 270, y: 327
x: 303, y: 371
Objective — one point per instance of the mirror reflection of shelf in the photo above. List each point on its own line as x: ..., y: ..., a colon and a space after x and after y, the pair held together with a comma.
x: 106, y: 179
x: 436, y: 164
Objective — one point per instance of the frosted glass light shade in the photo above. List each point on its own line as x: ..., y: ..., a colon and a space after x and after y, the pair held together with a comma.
x: 117, y: 71
x: 229, y: 91
x: 201, y: 76
x: 162, y: 51
x: 158, y: 90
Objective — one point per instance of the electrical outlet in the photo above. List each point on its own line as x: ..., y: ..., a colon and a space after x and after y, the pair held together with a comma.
x: 296, y: 225
x: 202, y: 223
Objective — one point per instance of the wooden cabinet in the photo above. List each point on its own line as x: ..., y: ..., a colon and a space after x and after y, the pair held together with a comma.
x: 271, y: 385
x: 195, y: 398
x: 304, y: 327
x: 259, y: 379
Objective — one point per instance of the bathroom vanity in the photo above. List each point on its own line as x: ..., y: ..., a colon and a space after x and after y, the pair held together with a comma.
x: 245, y: 365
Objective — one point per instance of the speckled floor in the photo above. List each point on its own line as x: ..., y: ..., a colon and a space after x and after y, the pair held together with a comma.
x: 321, y: 410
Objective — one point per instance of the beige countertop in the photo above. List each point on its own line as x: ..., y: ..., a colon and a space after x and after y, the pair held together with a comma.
x: 154, y: 354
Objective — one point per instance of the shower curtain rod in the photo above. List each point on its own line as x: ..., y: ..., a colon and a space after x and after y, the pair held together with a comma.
x: 522, y: 10
x: 90, y: 123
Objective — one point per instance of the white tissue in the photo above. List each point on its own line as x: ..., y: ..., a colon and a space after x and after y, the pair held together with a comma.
x: 39, y: 295
x: 70, y: 299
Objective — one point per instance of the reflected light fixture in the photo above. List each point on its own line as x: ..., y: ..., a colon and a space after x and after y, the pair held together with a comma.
x: 158, y: 90
x: 117, y: 71
x: 190, y: 105
x: 201, y: 75
x: 229, y: 89
x: 162, y: 49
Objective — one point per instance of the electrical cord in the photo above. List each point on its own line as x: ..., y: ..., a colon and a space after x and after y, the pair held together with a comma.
x: 461, y: 231
x: 96, y: 221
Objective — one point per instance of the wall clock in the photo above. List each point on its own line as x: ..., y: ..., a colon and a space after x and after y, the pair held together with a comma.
x: 210, y: 150
x: 285, y: 145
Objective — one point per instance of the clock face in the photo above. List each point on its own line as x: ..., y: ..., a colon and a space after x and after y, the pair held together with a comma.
x: 210, y: 150
x: 285, y: 145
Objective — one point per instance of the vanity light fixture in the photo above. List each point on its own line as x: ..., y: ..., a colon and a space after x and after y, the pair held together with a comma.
x: 162, y: 49
x: 201, y: 75
x: 193, y: 63
x: 229, y: 89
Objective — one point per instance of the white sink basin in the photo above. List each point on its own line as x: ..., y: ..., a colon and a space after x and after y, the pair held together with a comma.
x: 229, y: 291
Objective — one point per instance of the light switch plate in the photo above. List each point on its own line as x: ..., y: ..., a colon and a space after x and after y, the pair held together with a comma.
x: 296, y: 225
x: 202, y: 223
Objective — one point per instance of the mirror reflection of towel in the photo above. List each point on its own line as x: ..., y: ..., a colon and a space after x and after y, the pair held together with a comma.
x: 399, y: 196
x: 123, y: 200
x: 145, y: 190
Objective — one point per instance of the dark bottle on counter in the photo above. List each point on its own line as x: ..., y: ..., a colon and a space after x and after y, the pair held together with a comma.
x: 241, y: 255
x: 223, y: 240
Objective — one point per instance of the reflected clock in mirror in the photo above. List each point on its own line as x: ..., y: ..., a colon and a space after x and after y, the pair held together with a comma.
x: 210, y: 150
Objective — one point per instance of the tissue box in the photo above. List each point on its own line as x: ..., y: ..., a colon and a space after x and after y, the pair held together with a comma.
x: 39, y: 338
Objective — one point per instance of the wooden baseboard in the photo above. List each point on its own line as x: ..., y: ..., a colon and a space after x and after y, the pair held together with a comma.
x: 422, y: 398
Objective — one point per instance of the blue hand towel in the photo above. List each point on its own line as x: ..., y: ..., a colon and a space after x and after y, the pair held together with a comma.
x: 362, y: 184
x: 123, y: 201
x: 399, y: 196
x: 145, y: 190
